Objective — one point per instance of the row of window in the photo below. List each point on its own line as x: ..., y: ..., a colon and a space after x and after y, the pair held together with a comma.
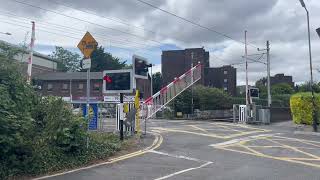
x: 65, y: 86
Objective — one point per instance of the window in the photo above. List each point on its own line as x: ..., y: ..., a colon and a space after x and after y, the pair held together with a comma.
x: 225, y: 88
x: 50, y: 87
x: 65, y: 86
x: 225, y: 72
x: 225, y: 80
x: 96, y: 86
x: 80, y: 86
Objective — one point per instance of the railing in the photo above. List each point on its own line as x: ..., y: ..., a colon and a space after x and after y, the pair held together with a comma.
x: 156, y: 102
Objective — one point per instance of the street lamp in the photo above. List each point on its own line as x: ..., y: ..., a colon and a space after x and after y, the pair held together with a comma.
x: 314, y: 115
x: 6, y: 33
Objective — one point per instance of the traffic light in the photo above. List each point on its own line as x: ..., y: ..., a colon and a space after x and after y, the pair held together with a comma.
x: 254, y: 92
x: 140, y: 67
x: 117, y: 81
x: 318, y: 31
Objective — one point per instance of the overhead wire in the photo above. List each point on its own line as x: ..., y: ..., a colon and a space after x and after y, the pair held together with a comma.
x: 194, y: 23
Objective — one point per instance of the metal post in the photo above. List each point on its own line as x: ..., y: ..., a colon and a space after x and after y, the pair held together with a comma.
x: 268, y: 76
x: 314, y: 114
x: 192, y: 54
x: 29, y: 70
x: 247, y: 83
x: 88, y: 103
x: 121, y: 120
x: 151, y: 90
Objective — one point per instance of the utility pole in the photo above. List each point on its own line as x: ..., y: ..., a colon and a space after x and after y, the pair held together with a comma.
x: 268, y: 77
x: 192, y: 54
x: 246, y: 58
x: 31, y: 54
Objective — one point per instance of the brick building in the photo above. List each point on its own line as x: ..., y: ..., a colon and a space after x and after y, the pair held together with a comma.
x: 177, y: 62
x: 224, y: 77
x: 281, y: 78
x: 73, y: 85
x: 40, y: 63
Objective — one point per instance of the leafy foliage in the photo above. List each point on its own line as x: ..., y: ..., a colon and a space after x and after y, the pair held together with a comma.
x: 157, y: 82
x: 40, y: 135
x: 301, y: 107
x: 282, y: 88
x: 205, y: 98
x: 67, y: 60
x: 102, y: 60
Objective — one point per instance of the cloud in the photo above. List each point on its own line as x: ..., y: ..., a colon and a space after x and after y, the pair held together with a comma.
x: 282, y: 22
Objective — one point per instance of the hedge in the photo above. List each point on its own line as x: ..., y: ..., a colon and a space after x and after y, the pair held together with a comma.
x: 301, y: 107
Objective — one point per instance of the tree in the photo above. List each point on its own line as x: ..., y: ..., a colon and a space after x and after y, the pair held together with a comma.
x: 305, y: 87
x: 157, y: 82
x: 282, y: 88
x: 67, y: 60
x: 8, y: 51
x: 102, y: 60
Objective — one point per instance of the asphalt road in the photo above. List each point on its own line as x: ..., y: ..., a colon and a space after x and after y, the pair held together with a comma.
x: 215, y: 150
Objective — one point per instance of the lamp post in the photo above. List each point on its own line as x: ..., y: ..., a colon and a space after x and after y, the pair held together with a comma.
x: 314, y: 114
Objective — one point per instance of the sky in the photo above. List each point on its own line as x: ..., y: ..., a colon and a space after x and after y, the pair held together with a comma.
x: 127, y: 27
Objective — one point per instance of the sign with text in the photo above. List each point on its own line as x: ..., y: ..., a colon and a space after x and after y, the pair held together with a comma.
x: 87, y: 45
x: 86, y: 63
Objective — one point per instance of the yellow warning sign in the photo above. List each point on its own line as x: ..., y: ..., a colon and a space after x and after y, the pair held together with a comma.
x: 87, y: 45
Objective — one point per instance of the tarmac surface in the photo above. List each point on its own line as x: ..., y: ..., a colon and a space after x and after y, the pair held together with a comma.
x: 186, y: 149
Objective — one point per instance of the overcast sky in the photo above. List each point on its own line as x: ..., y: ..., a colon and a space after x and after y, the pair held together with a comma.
x: 127, y: 27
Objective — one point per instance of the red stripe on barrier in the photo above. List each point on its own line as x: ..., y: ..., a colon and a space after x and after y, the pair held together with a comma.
x: 176, y: 80
x: 164, y: 89
x: 148, y: 100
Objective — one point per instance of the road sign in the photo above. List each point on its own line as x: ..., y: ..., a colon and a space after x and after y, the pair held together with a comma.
x: 93, y: 115
x: 117, y: 99
x: 86, y: 63
x: 117, y: 81
x: 87, y: 45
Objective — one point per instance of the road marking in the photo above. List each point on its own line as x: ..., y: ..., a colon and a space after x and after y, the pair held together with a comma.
x: 242, y: 141
x: 238, y: 140
x: 156, y: 143
x: 183, y: 171
x: 198, y: 128
x: 178, y: 156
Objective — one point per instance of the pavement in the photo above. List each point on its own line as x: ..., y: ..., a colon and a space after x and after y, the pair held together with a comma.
x: 187, y: 149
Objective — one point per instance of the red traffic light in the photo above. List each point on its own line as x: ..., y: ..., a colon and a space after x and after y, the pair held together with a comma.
x: 107, y: 79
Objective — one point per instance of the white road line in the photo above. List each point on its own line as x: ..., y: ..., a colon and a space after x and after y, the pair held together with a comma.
x: 237, y: 140
x: 183, y: 171
x: 178, y: 156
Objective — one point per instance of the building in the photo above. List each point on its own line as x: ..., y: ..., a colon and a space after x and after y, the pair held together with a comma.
x: 177, y: 62
x: 224, y: 77
x: 41, y: 63
x: 281, y: 78
x: 73, y: 85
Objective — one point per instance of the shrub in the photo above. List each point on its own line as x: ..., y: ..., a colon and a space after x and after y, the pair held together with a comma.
x: 301, y: 107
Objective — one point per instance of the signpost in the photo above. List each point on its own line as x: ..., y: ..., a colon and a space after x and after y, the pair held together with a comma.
x: 87, y: 45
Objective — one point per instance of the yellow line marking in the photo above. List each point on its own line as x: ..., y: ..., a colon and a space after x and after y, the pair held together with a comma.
x: 198, y: 128
x: 279, y: 147
x: 250, y: 149
x: 243, y: 126
x: 229, y: 128
x: 272, y: 157
x: 294, y: 149
x: 302, y: 159
x: 156, y: 143
x: 190, y: 132
x: 309, y: 142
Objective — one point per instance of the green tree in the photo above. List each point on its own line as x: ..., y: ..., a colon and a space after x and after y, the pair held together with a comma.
x: 8, y: 51
x: 305, y: 87
x: 157, y: 82
x: 67, y: 60
x: 282, y: 88
x: 102, y: 60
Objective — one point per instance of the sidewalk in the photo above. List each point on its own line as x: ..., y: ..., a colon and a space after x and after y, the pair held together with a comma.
x: 295, y: 128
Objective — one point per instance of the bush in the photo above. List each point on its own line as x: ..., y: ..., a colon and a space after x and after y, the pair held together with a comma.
x: 40, y: 135
x: 301, y: 107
